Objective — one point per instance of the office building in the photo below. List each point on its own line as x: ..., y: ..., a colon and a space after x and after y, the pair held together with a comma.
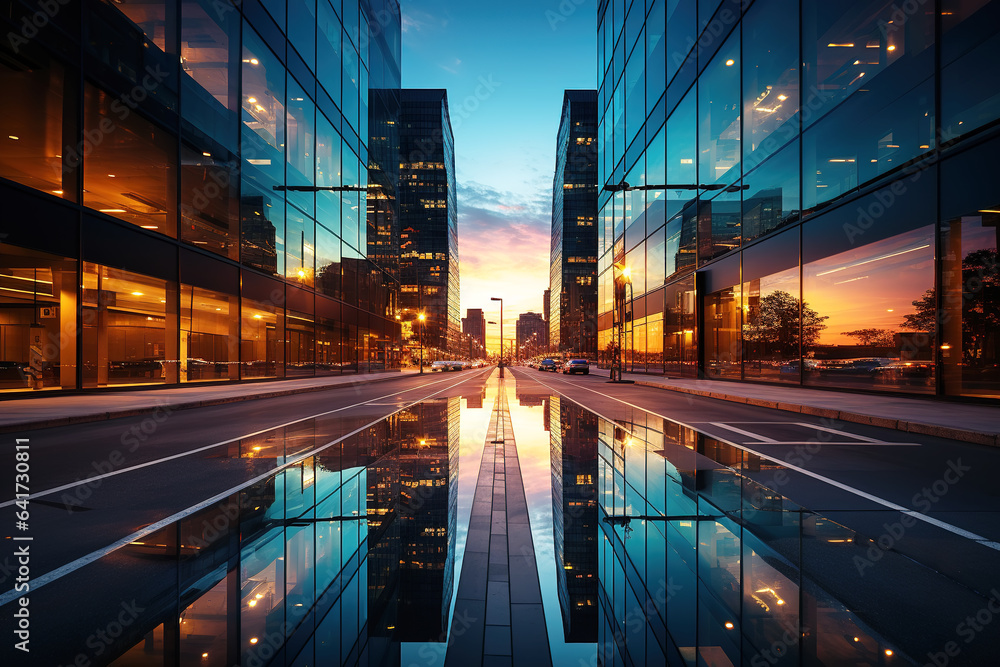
x: 150, y: 235
x: 530, y: 330
x: 801, y: 192
x: 474, y: 326
x: 429, y: 223
x: 573, y: 255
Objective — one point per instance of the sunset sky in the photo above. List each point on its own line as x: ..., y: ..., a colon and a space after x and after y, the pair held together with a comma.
x: 505, y: 66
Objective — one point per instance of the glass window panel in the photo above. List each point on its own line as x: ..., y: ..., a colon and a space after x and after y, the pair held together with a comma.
x: 770, y: 79
x: 300, y: 333
x: 656, y: 44
x: 263, y: 113
x: 863, y: 327
x: 38, y: 306
x: 204, y: 627
x: 277, y: 10
x: 261, y: 347
x: 840, y: 154
x: 39, y: 119
x: 771, y: 328
x: 682, y: 153
x: 302, y: 29
x: 209, y: 56
x: 680, y: 339
x: 301, y: 149
x: 970, y: 347
x: 719, y: 116
x: 655, y: 259
x: 328, y: 49
x: 719, y: 222
x: 349, y: 88
x: 970, y: 93
x: 150, y: 16
x: 130, y: 171
x: 857, y: 44
x: 722, y: 333
x: 208, y: 199
x: 681, y: 33
x: 327, y: 262
x: 771, y: 198
x: 635, y: 93
x: 262, y: 229
x: 129, y: 328
x: 209, y: 335
x: 300, y: 247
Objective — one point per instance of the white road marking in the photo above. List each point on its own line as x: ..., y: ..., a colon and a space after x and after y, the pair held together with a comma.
x: 748, y: 434
x: 986, y: 542
x: 62, y: 571
x: 877, y: 443
x: 836, y: 432
x: 89, y: 480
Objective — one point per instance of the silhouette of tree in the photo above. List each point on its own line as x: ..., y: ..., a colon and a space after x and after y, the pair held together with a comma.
x: 873, y: 337
x: 774, y: 324
x: 980, y: 307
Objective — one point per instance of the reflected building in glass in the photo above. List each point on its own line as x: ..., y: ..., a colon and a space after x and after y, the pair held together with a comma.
x: 799, y: 192
x: 573, y: 446
x: 150, y: 146
x: 428, y: 204
x: 336, y: 559
x: 572, y: 293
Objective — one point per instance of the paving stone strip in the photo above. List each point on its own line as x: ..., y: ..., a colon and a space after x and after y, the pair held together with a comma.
x: 498, y: 614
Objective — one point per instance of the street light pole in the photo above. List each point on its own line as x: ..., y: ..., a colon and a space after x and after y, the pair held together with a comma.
x: 501, y: 332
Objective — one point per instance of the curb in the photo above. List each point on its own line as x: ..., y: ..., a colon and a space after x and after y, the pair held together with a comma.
x: 963, y: 435
x: 203, y: 403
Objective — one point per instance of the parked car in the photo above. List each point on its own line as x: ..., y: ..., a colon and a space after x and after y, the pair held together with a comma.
x: 547, y: 365
x: 576, y: 366
x: 442, y: 366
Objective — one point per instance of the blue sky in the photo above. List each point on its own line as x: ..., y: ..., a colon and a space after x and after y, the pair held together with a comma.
x: 505, y: 66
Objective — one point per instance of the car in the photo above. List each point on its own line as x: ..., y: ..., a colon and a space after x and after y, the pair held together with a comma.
x: 442, y: 366
x: 547, y: 365
x: 576, y: 366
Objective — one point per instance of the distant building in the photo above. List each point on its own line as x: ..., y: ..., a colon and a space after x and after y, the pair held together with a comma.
x: 547, y: 314
x: 474, y: 326
x: 572, y: 320
x: 530, y: 334
x: 428, y: 212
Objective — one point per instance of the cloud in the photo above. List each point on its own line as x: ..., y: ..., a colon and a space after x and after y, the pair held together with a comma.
x: 504, y: 240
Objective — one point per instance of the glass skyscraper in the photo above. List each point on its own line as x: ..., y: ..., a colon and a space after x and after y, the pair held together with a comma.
x: 428, y: 203
x: 801, y: 192
x: 159, y: 167
x: 573, y: 255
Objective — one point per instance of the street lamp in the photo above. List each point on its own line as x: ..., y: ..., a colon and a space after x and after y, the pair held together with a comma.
x: 421, y: 317
x: 495, y: 298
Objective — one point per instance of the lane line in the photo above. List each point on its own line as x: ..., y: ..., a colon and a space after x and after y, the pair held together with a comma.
x: 138, y: 466
x: 72, y: 566
x: 855, y: 443
x: 986, y: 542
x: 749, y: 434
x: 836, y: 432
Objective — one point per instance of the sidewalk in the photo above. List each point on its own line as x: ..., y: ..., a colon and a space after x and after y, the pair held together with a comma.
x: 61, y: 410
x: 957, y: 421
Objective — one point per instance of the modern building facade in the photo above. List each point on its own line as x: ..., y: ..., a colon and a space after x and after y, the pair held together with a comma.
x: 474, y: 326
x: 150, y: 233
x: 573, y: 256
x: 429, y: 264
x: 531, y: 330
x: 816, y: 206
